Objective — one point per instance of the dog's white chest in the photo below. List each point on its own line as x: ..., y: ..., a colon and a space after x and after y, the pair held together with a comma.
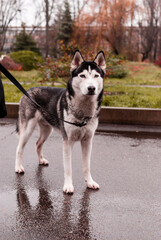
x: 75, y: 133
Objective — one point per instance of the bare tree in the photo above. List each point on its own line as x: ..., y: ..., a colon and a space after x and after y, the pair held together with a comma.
x: 8, y: 11
x: 47, y: 18
x: 120, y: 14
x: 45, y: 12
x: 49, y: 11
x: 107, y: 22
x: 39, y: 19
x: 89, y: 24
x: 149, y: 28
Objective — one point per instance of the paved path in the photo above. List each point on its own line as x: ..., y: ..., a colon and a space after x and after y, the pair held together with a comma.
x: 127, y: 206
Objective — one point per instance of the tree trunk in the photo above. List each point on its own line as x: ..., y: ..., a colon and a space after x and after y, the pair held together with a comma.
x: 145, y: 56
x: 47, y: 28
x: 155, y: 48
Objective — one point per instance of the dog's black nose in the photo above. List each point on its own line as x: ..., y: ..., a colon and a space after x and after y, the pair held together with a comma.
x: 91, y: 90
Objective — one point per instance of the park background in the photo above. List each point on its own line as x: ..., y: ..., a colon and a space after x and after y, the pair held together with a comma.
x: 37, y: 45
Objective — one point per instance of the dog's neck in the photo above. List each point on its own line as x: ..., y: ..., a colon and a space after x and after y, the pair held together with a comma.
x: 83, y: 108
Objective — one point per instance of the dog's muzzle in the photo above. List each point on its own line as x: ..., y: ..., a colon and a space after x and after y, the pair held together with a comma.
x: 91, y: 90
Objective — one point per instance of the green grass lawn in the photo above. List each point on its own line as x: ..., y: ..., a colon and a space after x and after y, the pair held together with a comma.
x: 12, y: 93
x: 139, y: 74
x: 122, y: 96
x: 126, y: 92
x: 132, y: 91
x: 24, y: 76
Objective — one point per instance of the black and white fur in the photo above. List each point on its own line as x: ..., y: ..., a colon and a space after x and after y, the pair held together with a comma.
x: 80, y: 101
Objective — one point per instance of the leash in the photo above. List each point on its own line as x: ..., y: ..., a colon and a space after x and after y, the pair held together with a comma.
x: 48, y: 116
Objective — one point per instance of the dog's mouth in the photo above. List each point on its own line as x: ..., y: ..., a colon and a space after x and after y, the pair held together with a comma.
x: 91, y: 93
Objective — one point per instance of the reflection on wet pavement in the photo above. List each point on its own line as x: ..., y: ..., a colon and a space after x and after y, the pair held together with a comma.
x: 127, y: 206
x: 57, y: 223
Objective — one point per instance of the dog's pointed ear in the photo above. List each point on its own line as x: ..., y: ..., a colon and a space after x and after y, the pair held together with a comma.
x: 100, y: 60
x: 77, y: 60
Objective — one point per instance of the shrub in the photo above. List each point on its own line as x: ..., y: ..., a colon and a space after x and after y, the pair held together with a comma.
x: 118, y: 71
x: 51, y: 70
x: 9, y: 64
x: 115, y: 67
x: 158, y: 62
x: 28, y: 59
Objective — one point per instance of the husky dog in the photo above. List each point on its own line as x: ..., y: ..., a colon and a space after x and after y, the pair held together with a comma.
x: 79, y: 103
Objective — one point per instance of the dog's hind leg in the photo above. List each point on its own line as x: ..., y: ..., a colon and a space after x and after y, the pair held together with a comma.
x: 45, y: 130
x: 86, y: 145
x: 24, y: 134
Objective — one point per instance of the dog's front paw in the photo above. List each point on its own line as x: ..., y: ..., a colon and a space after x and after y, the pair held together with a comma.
x: 93, y: 185
x: 43, y: 161
x: 69, y: 189
x: 19, y: 169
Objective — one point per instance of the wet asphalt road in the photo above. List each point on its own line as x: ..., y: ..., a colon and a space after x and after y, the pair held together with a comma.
x: 127, y: 206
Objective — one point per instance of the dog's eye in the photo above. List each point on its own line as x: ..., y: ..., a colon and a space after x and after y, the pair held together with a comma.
x: 96, y: 75
x: 82, y: 75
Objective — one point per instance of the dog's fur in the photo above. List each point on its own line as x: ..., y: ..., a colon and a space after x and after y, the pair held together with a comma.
x: 80, y: 101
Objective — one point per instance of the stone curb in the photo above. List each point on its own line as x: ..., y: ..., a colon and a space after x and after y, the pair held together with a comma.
x: 112, y: 115
x: 131, y: 116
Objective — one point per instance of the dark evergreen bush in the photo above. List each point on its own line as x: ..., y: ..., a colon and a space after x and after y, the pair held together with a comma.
x: 28, y: 59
